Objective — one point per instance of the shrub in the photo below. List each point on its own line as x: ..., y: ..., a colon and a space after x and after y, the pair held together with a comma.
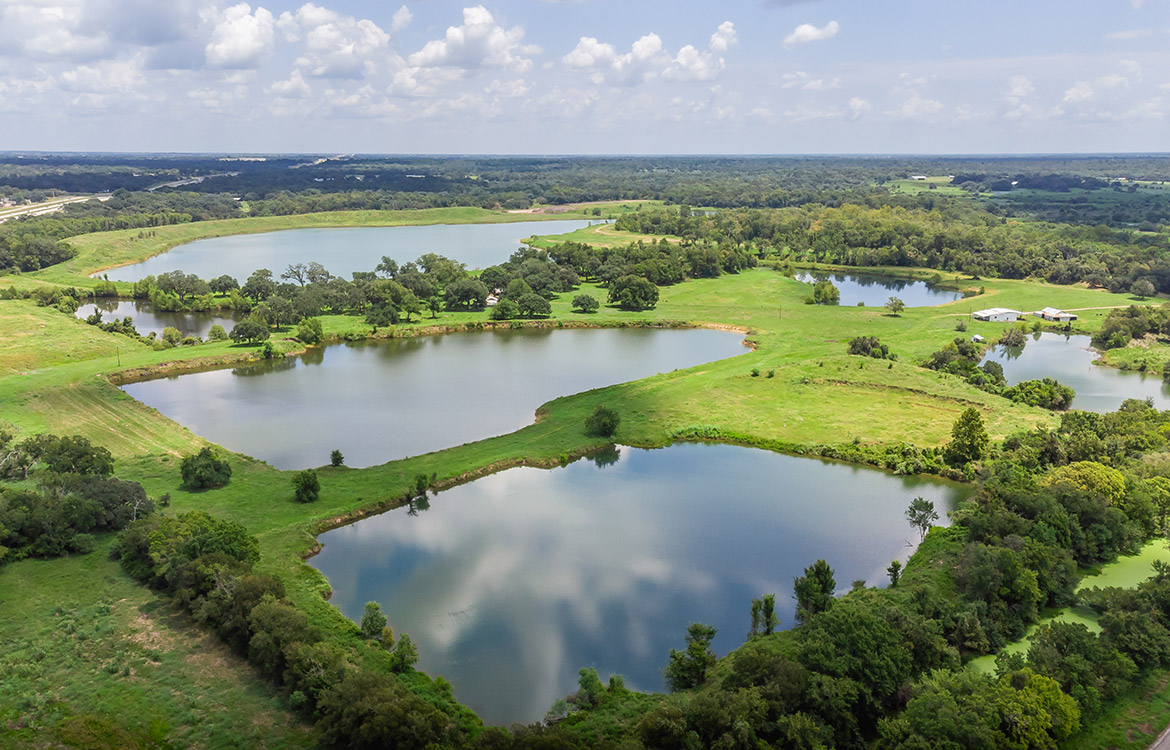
x: 217, y: 333
x: 309, y: 331
x: 603, y: 422
x: 306, y: 486
x: 205, y: 470
x: 505, y: 309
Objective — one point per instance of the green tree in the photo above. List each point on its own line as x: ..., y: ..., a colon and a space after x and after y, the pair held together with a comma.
x: 336, y: 459
x: 217, y: 333
x: 434, y: 305
x: 532, y: 305
x: 632, y: 292
x: 382, y: 315
x: 505, y: 309
x: 895, y: 306
x: 969, y: 440
x: 249, y: 331
x: 764, y: 619
x: 405, y: 654
x: 306, y: 486
x: 373, y: 621
x: 603, y: 422
x: 223, y: 284
x: 688, y: 668
x: 586, y: 303
x: 894, y: 572
x: 172, y: 335
x: 921, y: 515
x: 309, y: 331
x: 814, y: 590
x: 825, y: 293
x: 204, y: 470
x: 1142, y: 288
x: 75, y: 455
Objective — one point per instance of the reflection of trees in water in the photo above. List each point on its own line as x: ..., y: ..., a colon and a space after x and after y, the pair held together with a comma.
x: 1010, y: 352
x: 607, y: 456
x: 264, y: 367
x: 313, y: 356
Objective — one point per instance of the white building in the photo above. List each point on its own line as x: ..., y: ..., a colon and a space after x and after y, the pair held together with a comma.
x: 1054, y: 315
x: 997, y: 315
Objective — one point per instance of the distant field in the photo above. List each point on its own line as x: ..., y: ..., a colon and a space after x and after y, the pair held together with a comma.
x: 939, y: 185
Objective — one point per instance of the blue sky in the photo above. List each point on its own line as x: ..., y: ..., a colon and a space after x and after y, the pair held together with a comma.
x: 586, y: 76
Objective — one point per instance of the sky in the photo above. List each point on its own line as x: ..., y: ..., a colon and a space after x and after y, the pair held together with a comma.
x: 586, y: 76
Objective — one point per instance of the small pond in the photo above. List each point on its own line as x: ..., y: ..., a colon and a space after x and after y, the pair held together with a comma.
x: 513, y: 582
x: 874, y: 290
x: 147, y: 320
x: 343, y: 250
x: 1069, y: 359
x: 383, y: 400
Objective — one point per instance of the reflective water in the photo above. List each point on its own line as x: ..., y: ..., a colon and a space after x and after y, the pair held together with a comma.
x: 874, y: 291
x: 513, y: 582
x: 1070, y: 360
x: 378, y: 401
x: 147, y: 320
x: 343, y: 250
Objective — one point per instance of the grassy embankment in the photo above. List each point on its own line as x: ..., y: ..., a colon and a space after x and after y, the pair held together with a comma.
x: 53, y: 377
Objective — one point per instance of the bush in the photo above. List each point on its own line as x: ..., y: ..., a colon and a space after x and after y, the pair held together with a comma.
x: 217, y: 333
x: 603, y: 422
x: 309, y: 331
x: 306, y: 486
x: 205, y: 470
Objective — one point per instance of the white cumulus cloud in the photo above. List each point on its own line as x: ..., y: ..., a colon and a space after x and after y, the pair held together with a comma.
x: 480, y: 42
x: 806, y: 32
x: 333, y: 45
x: 649, y: 59
x: 241, y: 38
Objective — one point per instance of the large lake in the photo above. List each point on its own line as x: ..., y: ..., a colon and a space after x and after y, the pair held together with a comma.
x: 343, y: 250
x: 383, y: 400
x: 875, y: 291
x: 512, y: 583
x: 147, y: 320
x: 1069, y: 359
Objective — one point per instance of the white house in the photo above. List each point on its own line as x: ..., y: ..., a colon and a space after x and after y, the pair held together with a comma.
x: 997, y: 315
x: 492, y: 300
x: 1054, y: 315
x: 978, y: 339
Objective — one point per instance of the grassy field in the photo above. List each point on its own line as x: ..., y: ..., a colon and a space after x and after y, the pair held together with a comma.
x: 54, y: 374
x: 936, y: 185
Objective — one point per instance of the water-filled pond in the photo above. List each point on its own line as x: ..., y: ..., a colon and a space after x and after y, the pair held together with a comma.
x: 875, y: 290
x: 1069, y: 359
x: 343, y: 250
x: 383, y: 400
x: 147, y: 320
x: 513, y: 582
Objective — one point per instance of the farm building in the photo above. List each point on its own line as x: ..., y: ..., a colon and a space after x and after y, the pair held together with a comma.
x: 997, y: 315
x: 1054, y: 315
x: 978, y: 339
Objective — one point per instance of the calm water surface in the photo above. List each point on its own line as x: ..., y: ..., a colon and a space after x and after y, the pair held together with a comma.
x: 147, y: 320
x: 1070, y: 360
x: 512, y: 583
x: 343, y: 250
x: 379, y: 401
x: 874, y: 291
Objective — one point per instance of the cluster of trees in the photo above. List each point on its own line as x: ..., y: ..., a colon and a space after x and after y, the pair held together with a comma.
x: 961, y: 357
x: 75, y: 498
x: 869, y: 346
x: 886, y: 665
x: 956, y: 237
x: 1134, y: 322
x: 206, y: 565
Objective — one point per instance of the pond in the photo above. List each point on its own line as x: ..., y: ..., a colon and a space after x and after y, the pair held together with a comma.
x: 383, y: 400
x: 147, y: 320
x: 343, y: 250
x: 513, y: 582
x: 874, y: 290
x: 1069, y: 359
